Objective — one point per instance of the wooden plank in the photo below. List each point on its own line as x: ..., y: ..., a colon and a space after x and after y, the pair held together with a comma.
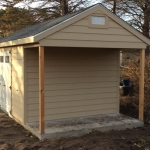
x: 141, y: 85
x: 41, y: 89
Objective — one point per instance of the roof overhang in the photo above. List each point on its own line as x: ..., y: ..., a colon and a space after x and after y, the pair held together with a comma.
x: 52, y: 30
x: 27, y: 40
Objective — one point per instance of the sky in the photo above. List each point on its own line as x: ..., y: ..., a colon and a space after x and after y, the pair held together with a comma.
x: 36, y: 4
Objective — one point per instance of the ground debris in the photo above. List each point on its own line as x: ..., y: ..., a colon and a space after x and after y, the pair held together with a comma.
x: 15, y: 137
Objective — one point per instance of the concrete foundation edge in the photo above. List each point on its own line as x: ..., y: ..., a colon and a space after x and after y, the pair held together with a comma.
x: 84, y: 131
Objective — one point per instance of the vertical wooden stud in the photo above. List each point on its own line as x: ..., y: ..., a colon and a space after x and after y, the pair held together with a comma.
x: 141, y: 84
x: 41, y: 90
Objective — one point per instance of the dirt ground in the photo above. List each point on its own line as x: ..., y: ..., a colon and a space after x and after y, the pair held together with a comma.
x: 15, y: 137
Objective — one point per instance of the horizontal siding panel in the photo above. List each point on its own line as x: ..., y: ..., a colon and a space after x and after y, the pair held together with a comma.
x: 74, y: 74
x: 32, y: 63
x: 16, y: 56
x: 73, y: 80
x: 107, y: 31
x: 75, y: 86
x: 17, y: 115
x: 17, y: 50
x: 58, y: 105
x: 83, y: 62
x: 79, y: 97
x: 73, y: 109
x: 32, y: 94
x: 77, y: 82
x: 81, y: 91
x: 17, y: 87
x: 82, y: 54
x: 99, y: 12
x: 84, y: 22
x: 70, y: 97
x: 79, y: 58
x: 17, y: 104
x: 17, y: 109
x: 19, y: 74
x: 71, y: 58
x: 17, y: 62
x: 17, y: 92
x: 32, y: 54
x: 17, y: 99
x: 74, y: 68
x: 73, y: 115
x: 93, y: 37
x: 18, y: 69
x: 16, y: 79
x: 93, y: 44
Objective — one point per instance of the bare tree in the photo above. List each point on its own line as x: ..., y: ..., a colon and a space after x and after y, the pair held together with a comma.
x: 54, y: 8
x: 34, y: 11
x: 135, y: 12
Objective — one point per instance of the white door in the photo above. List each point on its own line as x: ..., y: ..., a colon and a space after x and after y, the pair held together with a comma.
x: 5, y: 80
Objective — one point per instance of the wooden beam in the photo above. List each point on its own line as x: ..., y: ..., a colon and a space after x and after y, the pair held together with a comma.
x: 141, y: 84
x: 41, y: 90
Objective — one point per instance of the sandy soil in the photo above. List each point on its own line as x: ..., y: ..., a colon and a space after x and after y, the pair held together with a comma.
x: 15, y: 137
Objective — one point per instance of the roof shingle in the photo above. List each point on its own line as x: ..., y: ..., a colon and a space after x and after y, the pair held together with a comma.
x: 33, y: 30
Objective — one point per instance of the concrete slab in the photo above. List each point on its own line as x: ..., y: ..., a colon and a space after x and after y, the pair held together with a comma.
x: 83, y: 125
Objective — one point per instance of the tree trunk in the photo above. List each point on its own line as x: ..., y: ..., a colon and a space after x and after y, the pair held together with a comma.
x: 114, y: 6
x: 146, y: 24
x: 64, y: 7
x: 146, y: 29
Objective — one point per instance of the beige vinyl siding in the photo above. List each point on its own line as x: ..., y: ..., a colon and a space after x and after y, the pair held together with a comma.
x: 17, y: 56
x: 78, y: 82
x: 80, y: 33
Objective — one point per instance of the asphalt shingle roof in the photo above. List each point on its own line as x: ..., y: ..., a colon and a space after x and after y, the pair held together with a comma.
x: 33, y: 30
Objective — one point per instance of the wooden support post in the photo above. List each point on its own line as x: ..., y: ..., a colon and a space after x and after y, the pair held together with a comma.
x: 41, y: 90
x: 141, y: 84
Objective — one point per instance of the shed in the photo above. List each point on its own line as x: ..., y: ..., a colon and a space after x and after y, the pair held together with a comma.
x: 66, y: 67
